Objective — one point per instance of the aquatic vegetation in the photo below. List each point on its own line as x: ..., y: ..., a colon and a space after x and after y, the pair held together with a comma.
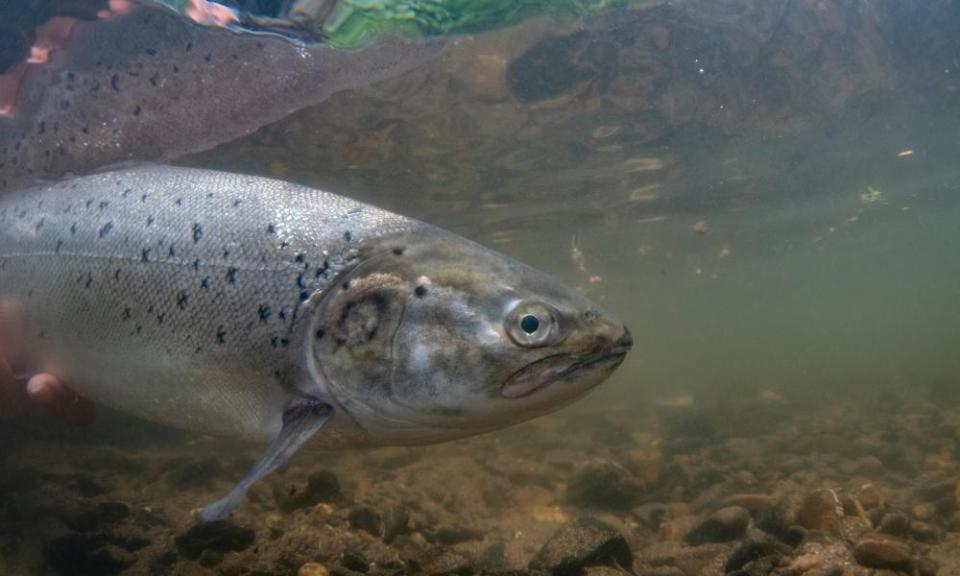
x: 357, y: 23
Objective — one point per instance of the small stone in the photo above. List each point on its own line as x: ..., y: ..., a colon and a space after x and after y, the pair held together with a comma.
x: 894, y: 523
x: 313, y: 569
x: 87, y: 555
x: 885, y: 552
x: 446, y: 561
x: 457, y: 534
x: 366, y: 518
x: 676, y: 529
x: 221, y: 535
x: 355, y: 561
x: 752, y: 502
x: 752, y: 550
x: 650, y: 515
x: 851, y: 528
x: 210, y: 558
x: 322, y: 486
x: 820, y: 511
x: 581, y: 543
x: 605, y: 485
x: 924, y: 531
x: 926, y: 567
x: 725, y: 524
x: 923, y: 512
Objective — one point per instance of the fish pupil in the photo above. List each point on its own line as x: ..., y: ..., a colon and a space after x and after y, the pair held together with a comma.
x: 529, y: 323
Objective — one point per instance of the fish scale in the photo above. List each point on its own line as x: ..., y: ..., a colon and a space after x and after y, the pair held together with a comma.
x: 189, y: 281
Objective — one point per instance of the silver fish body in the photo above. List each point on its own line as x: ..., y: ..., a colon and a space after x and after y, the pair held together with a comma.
x: 172, y: 293
x: 255, y: 308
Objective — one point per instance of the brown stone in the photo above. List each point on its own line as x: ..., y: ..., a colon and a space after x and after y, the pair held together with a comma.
x: 885, y: 552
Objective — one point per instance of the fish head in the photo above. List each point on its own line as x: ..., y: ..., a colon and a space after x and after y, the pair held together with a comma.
x: 436, y: 337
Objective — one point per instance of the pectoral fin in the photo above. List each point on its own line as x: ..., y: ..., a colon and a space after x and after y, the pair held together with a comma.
x: 301, y: 420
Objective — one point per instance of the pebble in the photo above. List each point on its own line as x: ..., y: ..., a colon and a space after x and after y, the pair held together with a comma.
x: 322, y: 486
x: 752, y: 502
x: 925, y: 531
x: 221, y: 535
x: 605, y: 484
x: 752, y: 550
x: 581, y: 543
x: 882, y: 551
x: 724, y: 525
x: 366, y: 518
x: 894, y: 523
x: 821, y: 511
x: 313, y: 569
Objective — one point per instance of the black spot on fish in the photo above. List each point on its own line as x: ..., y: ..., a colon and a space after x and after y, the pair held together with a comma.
x: 271, y: 229
x: 300, y: 282
x: 137, y: 110
x: 196, y: 265
x: 59, y: 246
x: 127, y: 314
x: 398, y: 251
x: 300, y: 258
x: 226, y: 253
x: 139, y: 328
x: 145, y: 255
x: 89, y: 281
x: 189, y: 47
x: 345, y: 285
x: 103, y: 205
x: 115, y: 82
x: 304, y: 296
x: 171, y: 252
x: 116, y: 274
x: 236, y: 203
x: 232, y: 275
x: 73, y: 229
x: 282, y: 314
x: 420, y: 291
x: 182, y: 299
x: 89, y: 203
x: 320, y: 334
x: 347, y: 236
x: 160, y: 318
x: 264, y: 313
x: 221, y: 335
x: 197, y: 233
x: 126, y: 192
x: 178, y: 201
x: 40, y: 223
x: 205, y: 283
x: 150, y: 220
x: 106, y: 229
x: 144, y: 197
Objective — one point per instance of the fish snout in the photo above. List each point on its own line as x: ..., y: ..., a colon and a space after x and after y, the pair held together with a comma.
x: 610, y: 335
x: 625, y: 342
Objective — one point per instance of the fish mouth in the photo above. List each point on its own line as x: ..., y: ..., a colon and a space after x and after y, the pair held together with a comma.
x: 557, y: 368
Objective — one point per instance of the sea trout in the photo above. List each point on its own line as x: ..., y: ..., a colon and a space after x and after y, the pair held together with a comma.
x: 251, y: 307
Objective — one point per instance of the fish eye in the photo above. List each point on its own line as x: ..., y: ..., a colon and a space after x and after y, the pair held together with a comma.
x: 532, y: 324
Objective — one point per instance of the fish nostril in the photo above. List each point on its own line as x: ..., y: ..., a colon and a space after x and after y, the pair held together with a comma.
x: 626, y: 340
